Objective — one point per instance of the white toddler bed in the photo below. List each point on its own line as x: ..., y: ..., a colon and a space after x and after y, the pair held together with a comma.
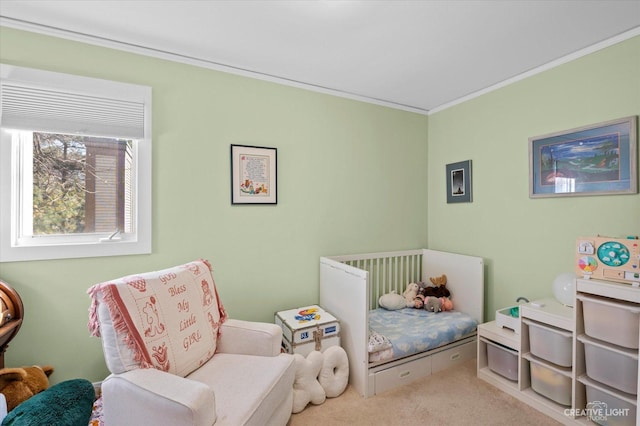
x: 351, y: 285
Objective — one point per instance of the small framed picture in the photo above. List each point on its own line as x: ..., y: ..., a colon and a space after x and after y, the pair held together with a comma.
x: 253, y: 175
x: 459, y: 182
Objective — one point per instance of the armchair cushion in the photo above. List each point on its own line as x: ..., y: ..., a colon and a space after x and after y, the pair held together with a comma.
x: 250, y: 338
x: 166, y: 319
x: 250, y: 390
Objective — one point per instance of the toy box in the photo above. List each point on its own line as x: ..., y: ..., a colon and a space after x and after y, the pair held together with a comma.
x: 307, y: 329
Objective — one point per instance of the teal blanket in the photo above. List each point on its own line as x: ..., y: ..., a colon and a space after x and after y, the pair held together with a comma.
x: 68, y: 403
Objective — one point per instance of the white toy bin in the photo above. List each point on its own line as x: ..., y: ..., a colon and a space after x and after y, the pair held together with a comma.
x: 614, y: 366
x: 550, y: 343
x: 607, y: 407
x: 502, y: 360
x: 550, y: 381
x: 614, y: 322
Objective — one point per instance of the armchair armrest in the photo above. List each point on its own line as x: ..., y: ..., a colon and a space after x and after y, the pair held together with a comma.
x: 154, y: 397
x: 249, y: 338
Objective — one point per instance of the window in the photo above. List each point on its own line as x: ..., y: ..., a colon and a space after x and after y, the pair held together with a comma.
x: 75, y: 160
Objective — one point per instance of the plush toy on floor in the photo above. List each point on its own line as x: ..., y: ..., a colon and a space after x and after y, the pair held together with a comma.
x: 306, y: 388
x: 20, y: 384
x: 334, y: 375
x: 319, y: 376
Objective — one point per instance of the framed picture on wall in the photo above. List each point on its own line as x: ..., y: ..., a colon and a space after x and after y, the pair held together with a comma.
x: 459, y: 182
x: 253, y: 175
x: 598, y: 159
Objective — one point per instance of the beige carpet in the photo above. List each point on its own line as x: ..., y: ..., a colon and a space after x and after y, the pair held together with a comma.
x: 451, y: 397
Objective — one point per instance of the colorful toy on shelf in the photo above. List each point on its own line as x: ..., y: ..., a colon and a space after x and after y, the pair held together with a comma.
x: 606, y: 258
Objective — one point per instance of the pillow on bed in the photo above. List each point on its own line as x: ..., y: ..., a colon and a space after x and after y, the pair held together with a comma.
x: 392, y: 301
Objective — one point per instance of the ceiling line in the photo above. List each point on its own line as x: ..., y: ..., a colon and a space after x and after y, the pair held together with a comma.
x: 190, y: 60
x: 161, y: 54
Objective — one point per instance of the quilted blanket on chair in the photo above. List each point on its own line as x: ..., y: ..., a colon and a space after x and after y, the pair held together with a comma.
x: 168, y: 319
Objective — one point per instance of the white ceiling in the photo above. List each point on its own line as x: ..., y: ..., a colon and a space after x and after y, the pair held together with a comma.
x: 414, y: 55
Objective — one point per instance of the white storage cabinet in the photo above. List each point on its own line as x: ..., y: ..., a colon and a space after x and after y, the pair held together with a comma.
x: 542, y: 341
x: 606, y: 344
x: 602, y: 333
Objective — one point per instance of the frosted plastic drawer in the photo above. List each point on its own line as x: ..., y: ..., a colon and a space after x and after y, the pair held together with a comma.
x: 607, y: 407
x: 612, y: 365
x: 613, y: 322
x: 502, y: 360
x: 402, y: 374
x: 550, y: 381
x: 550, y: 343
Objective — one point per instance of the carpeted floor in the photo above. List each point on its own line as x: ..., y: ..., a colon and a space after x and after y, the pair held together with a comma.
x: 451, y: 397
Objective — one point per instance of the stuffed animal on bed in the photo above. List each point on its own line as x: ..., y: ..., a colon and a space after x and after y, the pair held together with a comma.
x: 410, y: 294
x: 439, y: 288
x: 392, y: 301
x: 432, y: 304
x: 418, y: 301
x: 446, y: 304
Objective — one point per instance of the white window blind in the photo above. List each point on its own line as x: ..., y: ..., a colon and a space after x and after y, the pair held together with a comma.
x: 46, y: 101
x: 37, y: 109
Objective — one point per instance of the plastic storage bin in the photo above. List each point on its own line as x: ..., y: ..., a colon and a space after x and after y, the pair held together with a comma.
x: 502, y: 360
x: 505, y: 318
x: 550, y: 343
x: 613, y: 322
x: 549, y: 381
x: 612, y: 365
x: 607, y: 407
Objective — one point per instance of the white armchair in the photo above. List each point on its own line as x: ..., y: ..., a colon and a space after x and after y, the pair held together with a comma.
x: 247, y: 382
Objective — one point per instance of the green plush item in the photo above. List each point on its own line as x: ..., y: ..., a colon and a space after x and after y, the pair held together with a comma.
x: 68, y: 403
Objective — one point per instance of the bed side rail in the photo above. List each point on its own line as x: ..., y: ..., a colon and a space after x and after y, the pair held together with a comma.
x: 388, y: 271
x: 465, y: 279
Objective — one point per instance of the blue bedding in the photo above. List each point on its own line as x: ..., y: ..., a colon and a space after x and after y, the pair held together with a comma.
x: 413, y: 330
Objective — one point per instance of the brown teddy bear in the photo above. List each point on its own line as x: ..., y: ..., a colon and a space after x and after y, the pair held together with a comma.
x: 20, y: 384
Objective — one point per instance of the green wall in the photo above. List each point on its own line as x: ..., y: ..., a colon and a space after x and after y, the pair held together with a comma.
x: 351, y: 178
x: 528, y: 242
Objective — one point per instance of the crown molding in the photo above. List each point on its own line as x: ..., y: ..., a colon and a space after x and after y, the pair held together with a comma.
x: 175, y: 57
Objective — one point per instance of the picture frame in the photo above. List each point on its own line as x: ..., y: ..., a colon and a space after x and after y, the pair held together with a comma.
x: 254, y: 175
x: 598, y: 159
x: 459, y: 188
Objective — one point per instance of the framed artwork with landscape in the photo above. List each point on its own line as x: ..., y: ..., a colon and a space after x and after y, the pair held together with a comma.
x: 598, y: 159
